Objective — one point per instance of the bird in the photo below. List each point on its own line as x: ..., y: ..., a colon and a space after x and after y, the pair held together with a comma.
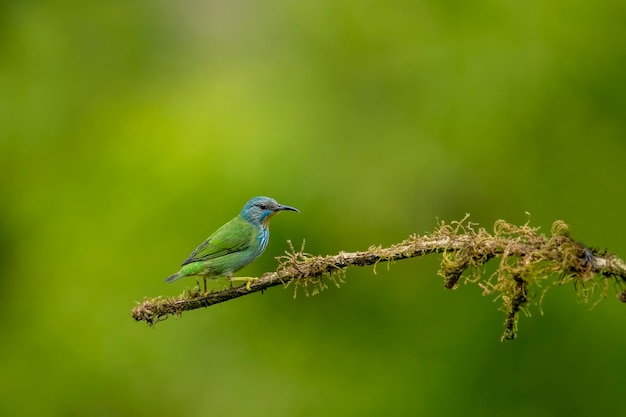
x: 234, y: 245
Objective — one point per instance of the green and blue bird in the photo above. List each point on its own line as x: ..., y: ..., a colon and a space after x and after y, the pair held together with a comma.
x: 234, y: 245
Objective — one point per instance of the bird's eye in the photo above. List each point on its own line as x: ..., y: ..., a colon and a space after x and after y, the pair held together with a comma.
x: 262, y: 206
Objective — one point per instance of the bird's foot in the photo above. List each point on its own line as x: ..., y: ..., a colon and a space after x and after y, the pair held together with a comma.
x: 249, y: 280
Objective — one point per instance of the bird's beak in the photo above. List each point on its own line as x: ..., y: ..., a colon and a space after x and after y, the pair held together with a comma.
x: 286, y: 208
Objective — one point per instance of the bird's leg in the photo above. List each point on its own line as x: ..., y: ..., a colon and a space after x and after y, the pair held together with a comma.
x: 205, y: 290
x: 197, y: 285
x: 248, y: 280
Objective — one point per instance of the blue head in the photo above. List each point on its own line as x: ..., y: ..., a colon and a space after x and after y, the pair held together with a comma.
x: 259, y: 210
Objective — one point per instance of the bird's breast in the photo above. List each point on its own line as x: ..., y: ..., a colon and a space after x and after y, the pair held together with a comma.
x: 264, y: 237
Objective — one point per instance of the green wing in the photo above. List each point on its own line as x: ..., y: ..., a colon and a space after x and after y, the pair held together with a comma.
x: 234, y: 236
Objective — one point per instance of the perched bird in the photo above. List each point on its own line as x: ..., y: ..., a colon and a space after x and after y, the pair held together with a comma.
x: 234, y: 245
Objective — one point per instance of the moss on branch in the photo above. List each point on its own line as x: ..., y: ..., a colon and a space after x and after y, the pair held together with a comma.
x: 529, y: 264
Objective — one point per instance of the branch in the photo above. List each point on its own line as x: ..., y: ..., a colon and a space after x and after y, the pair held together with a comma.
x: 529, y: 265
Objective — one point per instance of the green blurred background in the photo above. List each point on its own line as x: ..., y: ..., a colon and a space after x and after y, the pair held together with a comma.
x: 129, y: 131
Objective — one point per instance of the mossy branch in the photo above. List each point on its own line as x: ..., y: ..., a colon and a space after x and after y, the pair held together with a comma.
x: 530, y: 263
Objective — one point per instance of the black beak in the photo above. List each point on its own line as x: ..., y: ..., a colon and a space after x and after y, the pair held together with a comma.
x: 286, y: 208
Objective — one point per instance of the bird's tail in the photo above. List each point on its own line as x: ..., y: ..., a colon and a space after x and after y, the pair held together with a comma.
x: 173, y: 278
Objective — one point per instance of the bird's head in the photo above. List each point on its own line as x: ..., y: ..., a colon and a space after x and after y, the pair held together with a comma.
x: 259, y: 210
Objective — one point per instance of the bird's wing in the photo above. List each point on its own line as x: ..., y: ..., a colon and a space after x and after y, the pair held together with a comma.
x: 230, y: 238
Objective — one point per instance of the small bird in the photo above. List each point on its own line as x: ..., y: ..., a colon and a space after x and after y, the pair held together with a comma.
x: 234, y: 245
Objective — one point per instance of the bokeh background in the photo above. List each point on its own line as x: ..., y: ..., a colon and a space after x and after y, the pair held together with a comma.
x: 129, y: 131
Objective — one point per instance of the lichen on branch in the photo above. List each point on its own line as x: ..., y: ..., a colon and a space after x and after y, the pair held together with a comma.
x: 529, y: 264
